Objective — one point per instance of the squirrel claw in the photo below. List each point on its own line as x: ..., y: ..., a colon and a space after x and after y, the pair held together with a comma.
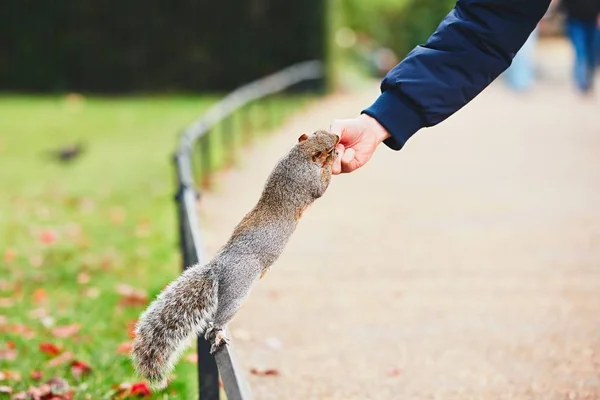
x: 220, y: 340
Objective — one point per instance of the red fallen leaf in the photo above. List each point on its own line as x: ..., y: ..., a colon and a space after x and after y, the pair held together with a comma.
x: 80, y: 368
x: 36, y: 375
x: 11, y: 345
x: 140, y: 389
x: 131, y: 296
x: 50, y: 349
x: 124, y: 348
x: 8, y: 354
x: 62, y: 359
x: 266, y: 372
x: 395, y: 372
x: 6, y: 390
x: 66, y: 330
x: 39, y: 295
x: 10, y: 376
x: 10, y: 255
x: 131, y: 328
x: 47, y: 237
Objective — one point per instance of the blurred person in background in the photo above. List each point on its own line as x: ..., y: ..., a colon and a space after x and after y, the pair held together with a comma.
x: 471, y: 47
x: 520, y: 76
x: 582, y: 22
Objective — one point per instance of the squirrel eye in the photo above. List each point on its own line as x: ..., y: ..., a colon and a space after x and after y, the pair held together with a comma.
x: 317, y: 155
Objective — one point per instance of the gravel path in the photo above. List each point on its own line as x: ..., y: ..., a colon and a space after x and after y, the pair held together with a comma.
x: 466, y: 266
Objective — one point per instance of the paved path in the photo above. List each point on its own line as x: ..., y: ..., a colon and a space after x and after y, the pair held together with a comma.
x: 466, y: 266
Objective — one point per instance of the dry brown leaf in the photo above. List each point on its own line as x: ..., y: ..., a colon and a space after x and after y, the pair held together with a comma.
x: 62, y: 359
x: 66, y: 330
x: 36, y: 375
x: 131, y: 296
x: 6, y: 302
x: 6, y: 390
x: 8, y: 354
x: 264, y: 372
x: 83, y: 278
x: 10, y: 376
x: 124, y: 348
x: 39, y: 295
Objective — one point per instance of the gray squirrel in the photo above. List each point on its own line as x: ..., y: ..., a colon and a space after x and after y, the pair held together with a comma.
x: 205, y: 298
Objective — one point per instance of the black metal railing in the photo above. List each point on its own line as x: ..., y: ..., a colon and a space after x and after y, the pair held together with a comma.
x: 223, y: 365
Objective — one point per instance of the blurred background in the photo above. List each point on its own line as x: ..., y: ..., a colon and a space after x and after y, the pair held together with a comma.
x: 495, y: 211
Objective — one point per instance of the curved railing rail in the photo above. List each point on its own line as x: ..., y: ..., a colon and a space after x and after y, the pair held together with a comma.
x: 224, y: 362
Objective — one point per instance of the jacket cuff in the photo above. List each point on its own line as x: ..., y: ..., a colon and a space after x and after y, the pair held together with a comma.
x: 397, y: 116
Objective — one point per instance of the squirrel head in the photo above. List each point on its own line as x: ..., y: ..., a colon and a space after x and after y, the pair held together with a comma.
x: 319, y: 147
x: 317, y: 152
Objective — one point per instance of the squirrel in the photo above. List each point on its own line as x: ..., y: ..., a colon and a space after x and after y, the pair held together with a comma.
x: 205, y: 298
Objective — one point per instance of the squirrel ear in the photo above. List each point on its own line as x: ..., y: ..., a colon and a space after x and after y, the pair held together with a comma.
x: 303, y: 137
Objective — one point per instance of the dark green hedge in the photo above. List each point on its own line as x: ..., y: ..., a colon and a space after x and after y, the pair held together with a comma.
x: 148, y: 45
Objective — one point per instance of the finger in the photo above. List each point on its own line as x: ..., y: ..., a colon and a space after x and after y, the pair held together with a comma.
x: 336, y: 167
x: 349, y: 163
x: 337, y: 126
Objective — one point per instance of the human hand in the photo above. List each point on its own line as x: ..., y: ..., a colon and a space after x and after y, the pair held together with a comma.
x: 359, y: 138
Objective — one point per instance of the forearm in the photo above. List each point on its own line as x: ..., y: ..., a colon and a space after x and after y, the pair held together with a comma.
x: 472, y: 46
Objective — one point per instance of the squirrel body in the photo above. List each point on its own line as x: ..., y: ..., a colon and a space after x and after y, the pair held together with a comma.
x: 204, y: 298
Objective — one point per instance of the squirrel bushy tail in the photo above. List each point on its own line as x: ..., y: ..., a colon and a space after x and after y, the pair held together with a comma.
x: 164, y: 330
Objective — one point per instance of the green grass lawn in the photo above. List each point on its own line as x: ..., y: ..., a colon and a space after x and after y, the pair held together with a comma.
x: 85, y: 245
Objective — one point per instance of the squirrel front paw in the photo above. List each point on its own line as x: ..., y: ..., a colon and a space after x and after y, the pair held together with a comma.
x: 217, y: 337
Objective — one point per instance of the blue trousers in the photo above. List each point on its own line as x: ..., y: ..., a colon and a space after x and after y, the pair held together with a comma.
x: 521, y: 73
x: 584, y: 37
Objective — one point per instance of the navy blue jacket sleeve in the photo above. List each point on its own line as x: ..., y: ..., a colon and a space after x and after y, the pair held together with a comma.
x: 471, y: 47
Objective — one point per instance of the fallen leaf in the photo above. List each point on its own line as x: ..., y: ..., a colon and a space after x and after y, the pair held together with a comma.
x: 20, y: 396
x: 131, y: 296
x: 6, y: 302
x: 58, y: 385
x: 83, y: 278
x: 131, y: 328
x: 3, y: 320
x: 10, y: 255
x: 92, y: 292
x: 8, y: 354
x: 6, y: 389
x: 140, y: 389
x: 66, y: 330
x: 394, y: 372
x: 10, y: 376
x: 41, y: 392
x: 22, y: 330
x: 11, y: 345
x: 116, y: 215
x: 36, y: 261
x: 62, y: 359
x: 192, y: 358
x: 50, y: 349
x: 47, y: 237
x: 124, y: 348
x: 38, y: 313
x: 79, y: 369
x: 36, y: 375
x: 265, y: 372
x: 4, y: 285
x: 39, y: 295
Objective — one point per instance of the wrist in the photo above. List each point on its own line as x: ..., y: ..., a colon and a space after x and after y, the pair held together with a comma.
x: 374, y: 127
